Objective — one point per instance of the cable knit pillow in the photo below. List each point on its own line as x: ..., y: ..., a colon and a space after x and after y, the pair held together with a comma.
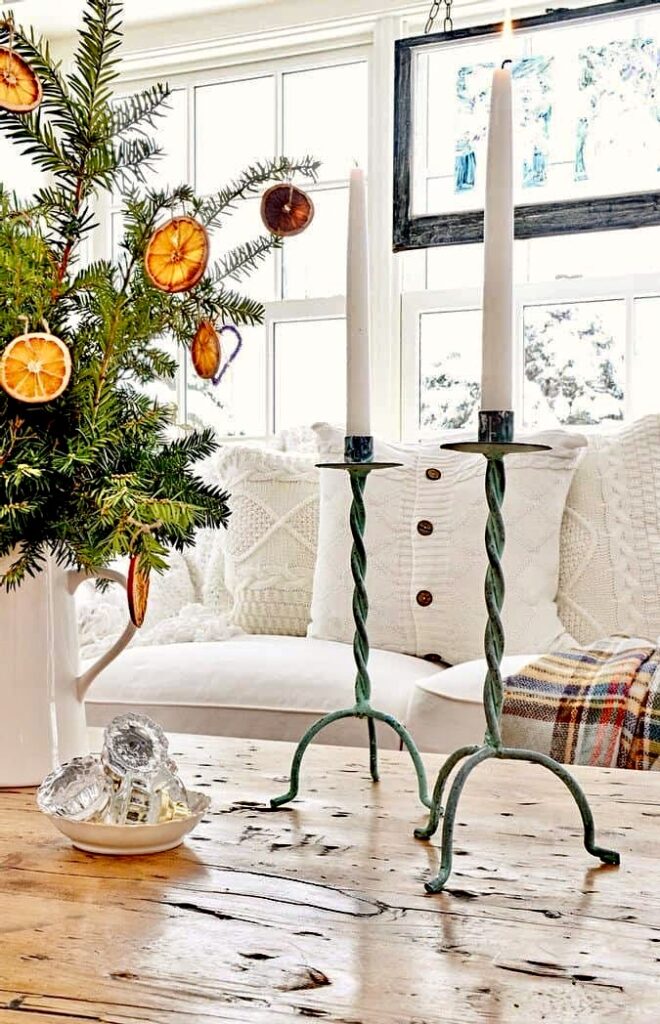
x: 176, y: 612
x: 610, y: 543
x: 270, y: 546
x: 425, y: 530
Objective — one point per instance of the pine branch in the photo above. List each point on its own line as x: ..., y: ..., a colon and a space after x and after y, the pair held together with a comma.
x: 241, y: 261
x: 36, y: 139
x: 135, y: 155
x: 95, y: 61
x: 93, y: 475
x: 134, y: 112
x: 250, y: 182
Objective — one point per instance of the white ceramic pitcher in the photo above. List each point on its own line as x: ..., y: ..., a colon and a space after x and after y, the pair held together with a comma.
x: 42, y: 715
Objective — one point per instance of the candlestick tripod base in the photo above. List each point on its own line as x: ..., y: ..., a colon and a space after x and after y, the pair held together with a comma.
x: 492, y: 746
x: 362, y: 708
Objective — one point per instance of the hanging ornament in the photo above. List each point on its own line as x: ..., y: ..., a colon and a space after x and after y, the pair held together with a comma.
x: 237, y: 348
x: 35, y: 368
x: 137, y: 588
x: 20, y: 89
x: 177, y: 255
x: 286, y: 210
x: 205, y: 350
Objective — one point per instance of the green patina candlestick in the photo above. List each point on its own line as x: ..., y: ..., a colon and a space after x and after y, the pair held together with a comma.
x: 495, y: 442
x: 358, y: 464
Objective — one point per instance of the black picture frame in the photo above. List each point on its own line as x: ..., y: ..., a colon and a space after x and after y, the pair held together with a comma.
x: 606, y: 213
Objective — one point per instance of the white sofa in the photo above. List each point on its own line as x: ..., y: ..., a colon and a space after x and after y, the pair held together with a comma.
x: 273, y: 687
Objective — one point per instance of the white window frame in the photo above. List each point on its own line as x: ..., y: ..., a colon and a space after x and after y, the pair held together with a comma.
x: 415, y: 304
x: 372, y: 42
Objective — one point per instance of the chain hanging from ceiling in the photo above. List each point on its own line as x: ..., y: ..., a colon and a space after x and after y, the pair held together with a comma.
x: 447, y: 24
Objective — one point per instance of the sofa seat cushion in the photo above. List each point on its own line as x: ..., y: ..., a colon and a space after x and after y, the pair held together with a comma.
x: 446, y: 709
x: 263, y: 687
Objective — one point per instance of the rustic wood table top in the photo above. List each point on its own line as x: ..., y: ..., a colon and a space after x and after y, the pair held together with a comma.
x: 318, y: 911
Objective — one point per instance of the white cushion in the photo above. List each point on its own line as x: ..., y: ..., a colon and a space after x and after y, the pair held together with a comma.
x: 446, y: 709
x: 451, y: 562
x: 176, y: 610
x: 610, y: 543
x: 270, y: 544
x: 258, y: 686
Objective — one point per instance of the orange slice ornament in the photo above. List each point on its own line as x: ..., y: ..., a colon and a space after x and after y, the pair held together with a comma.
x: 20, y: 89
x: 205, y: 350
x: 177, y: 255
x: 35, y: 368
x: 286, y: 210
x: 137, y: 588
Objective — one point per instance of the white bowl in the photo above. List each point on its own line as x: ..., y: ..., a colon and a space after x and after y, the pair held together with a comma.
x: 130, y: 840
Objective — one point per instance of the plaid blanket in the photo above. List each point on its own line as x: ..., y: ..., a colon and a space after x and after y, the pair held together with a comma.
x: 598, y: 705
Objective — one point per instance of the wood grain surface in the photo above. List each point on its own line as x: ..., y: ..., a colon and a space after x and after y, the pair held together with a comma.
x: 317, y: 911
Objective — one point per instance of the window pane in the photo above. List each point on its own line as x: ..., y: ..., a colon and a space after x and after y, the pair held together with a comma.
x: 116, y: 235
x: 646, y: 362
x: 601, y: 253
x: 236, y: 406
x: 170, y: 132
x: 243, y: 224
x: 310, y: 372
x: 574, y: 363
x: 235, y: 125
x: 17, y: 172
x: 591, y: 254
x: 162, y: 389
x: 314, y: 262
x: 325, y: 114
x: 449, y: 370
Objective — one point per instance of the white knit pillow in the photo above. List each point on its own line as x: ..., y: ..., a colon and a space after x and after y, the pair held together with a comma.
x: 270, y: 545
x: 406, y: 564
x: 610, y: 543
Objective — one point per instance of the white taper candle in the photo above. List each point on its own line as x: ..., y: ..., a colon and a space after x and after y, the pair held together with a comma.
x: 358, y: 366
x: 497, y: 337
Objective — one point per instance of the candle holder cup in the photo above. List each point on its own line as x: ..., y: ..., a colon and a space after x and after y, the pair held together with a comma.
x: 495, y: 443
x: 358, y: 463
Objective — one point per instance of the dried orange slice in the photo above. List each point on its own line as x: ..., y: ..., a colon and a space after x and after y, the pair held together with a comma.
x: 35, y: 368
x: 20, y: 89
x: 177, y: 255
x: 137, y: 588
x: 205, y: 350
x: 286, y: 210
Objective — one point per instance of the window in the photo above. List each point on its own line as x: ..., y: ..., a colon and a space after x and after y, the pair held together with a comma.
x: 587, y: 134
x: 318, y: 106
x: 587, y: 305
x: 587, y: 346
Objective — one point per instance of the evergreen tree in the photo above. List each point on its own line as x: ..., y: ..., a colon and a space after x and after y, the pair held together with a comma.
x: 94, y: 474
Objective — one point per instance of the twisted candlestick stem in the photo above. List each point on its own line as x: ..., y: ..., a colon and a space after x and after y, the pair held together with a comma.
x: 494, y: 593
x: 360, y: 598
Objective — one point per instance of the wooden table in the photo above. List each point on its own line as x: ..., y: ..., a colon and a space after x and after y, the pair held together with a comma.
x: 318, y: 911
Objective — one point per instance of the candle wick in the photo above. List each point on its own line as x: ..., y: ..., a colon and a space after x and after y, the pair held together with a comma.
x: 505, y: 62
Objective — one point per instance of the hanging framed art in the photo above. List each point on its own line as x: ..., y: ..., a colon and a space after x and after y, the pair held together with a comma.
x: 587, y: 124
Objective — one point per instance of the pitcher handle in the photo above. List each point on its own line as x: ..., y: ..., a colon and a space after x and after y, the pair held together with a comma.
x: 85, y: 680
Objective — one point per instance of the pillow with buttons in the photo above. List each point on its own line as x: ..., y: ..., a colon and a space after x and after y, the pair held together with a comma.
x: 425, y: 548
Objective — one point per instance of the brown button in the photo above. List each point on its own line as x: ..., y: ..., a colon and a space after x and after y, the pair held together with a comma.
x: 424, y: 598
x: 425, y: 527
x: 435, y: 658
x: 433, y: 474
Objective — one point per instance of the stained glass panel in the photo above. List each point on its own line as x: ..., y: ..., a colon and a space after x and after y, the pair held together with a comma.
x: 586, y: 113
